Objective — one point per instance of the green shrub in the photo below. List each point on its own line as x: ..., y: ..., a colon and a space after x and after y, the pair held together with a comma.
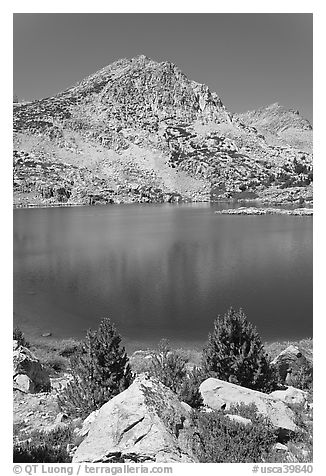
x: 169, y: 367
x: 303, y: 377
x: 100, y: 370
x: 29, y: 453
x: 18, y: 335
x: 217, y: 439
x: 189, y: 388
x: 56, y: 437
x: 234, y: 353
x: 44, y: 447
x: 246, y: 411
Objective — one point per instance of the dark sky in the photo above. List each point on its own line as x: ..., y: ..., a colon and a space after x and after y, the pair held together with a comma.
x: 250, y: 60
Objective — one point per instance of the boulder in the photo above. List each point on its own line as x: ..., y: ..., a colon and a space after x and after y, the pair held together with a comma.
x: 280, y: 447
x: 25, y: 363
x: 23, y: 383
x: 215, y: 390
x: 291, y: 395
x: 146, y: 422
x: 211, y: 399
x: 290, y: 361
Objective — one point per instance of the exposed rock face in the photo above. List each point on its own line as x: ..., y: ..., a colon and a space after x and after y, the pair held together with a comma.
x: 289, y: 362
x: 146, y: 422
x: 214, y: 390
x: 141, y: 131
x: 28, y: 373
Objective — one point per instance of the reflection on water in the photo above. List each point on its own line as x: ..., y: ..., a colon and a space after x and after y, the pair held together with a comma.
x: 160, y: 271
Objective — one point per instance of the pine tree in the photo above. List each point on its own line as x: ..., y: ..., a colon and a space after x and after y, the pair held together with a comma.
x: 234, y: 353
x: 100, y: 370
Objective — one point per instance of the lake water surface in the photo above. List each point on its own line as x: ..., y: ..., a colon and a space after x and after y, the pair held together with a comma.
x: 160, y: 271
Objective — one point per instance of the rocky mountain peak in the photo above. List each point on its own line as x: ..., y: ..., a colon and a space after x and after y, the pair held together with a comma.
x: 141, y: 123
x: 142, y: 87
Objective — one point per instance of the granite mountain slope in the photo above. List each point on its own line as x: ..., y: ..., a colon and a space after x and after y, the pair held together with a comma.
x: 141, y: 131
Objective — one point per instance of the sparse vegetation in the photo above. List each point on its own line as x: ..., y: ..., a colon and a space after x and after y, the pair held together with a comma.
x: 170, y: 368
x: 55, y: 354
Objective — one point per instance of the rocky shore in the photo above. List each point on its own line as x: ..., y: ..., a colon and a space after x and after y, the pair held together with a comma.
x: 148, y: 422
x: 265, y: 211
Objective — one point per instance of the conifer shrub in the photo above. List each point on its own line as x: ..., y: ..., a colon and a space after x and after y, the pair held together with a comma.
x: 100, y: 370
x: 217, y: 439
x: 189, y: 388
x: 169, y: 367
x: 235, y: 353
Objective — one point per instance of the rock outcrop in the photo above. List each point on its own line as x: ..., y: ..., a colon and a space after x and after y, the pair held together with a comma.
x: 146, y: 422
x: 29, y: 375
x: 290, y: 362
x: 291, y: 396
x: 265, y: 211
x: 141, y: 131
x: 214, y: 391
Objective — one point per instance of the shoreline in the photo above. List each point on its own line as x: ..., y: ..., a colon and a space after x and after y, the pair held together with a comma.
x: 264, y: 206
